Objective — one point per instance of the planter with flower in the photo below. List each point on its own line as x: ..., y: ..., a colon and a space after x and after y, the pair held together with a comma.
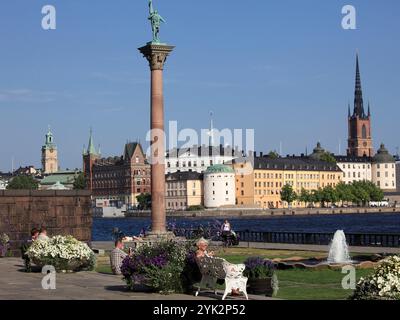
x: 383, y: 284
x: 64, y: 253
x: 4, y: 244
x: 163, y: 267
x: 262, y: 279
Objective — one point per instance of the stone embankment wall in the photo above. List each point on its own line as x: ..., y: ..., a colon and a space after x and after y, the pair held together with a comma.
x: 62, y: 212
x: 247, y: 213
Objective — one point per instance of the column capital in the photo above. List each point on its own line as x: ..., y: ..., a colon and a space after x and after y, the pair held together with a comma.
x: 156, y: 54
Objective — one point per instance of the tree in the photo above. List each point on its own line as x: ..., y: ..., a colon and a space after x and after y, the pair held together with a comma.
x: 273, y: 155
x: 329, y: 195
x: 316, y: 196
x: 327, y: 157
x: 305, y: 196
x: 80, y: 182
x: 144, y: 201
x: 288, y: 194
x: 360, y: 193
x: 23, y: 183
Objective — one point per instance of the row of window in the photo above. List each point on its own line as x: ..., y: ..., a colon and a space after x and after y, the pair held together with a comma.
x: 387, y: 184
x: 307, y: 176
x: 116, y: 174
x: 176, y: 204
x: 349, y: 166
x: 378, y: 174
x: 193, y: 164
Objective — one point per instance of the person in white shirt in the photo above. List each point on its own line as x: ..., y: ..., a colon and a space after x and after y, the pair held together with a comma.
x: 43, y: 234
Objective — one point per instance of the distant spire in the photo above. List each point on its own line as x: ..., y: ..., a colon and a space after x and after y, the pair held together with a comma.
x: 211, y: 132
x: 358, y: 96
x: 91, y: 148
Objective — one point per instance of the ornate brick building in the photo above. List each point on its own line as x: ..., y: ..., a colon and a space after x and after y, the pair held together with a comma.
x: 360, y: 138
x: 120, y: 178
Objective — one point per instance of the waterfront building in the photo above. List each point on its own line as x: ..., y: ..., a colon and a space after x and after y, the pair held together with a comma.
x: 359, y: 123
x: 384, y: 170
x: 184, y: 190
x: 260, y: 184
x: 119, y: 179
x: 354, y: 168
x: 198, y: 158
x: 219, y: 186
x: 49, y: 155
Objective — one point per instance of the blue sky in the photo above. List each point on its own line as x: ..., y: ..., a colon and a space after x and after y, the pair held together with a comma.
x: 284, y: 68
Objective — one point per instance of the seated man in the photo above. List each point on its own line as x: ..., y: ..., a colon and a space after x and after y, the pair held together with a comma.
x: 117, y: 256
x: 25, y: 247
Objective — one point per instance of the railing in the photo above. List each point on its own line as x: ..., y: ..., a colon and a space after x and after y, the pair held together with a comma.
x: 353, y: 239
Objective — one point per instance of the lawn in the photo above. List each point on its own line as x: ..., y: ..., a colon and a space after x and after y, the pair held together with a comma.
x: 295, y: 284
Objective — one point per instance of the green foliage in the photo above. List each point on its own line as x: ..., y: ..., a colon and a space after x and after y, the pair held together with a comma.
x: 328, y: 195
x: 273, y: 155
x: 359, y: 193
x: 23, y: 183
x: 195, y: 208
x: 288, y: 194
x: 144, y: 201
x: 80, y: 182
x: 327, y: 157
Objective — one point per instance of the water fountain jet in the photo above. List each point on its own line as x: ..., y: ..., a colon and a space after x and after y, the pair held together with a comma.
x: 339, y: 250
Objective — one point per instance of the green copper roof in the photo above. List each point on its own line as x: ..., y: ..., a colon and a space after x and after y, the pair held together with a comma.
x: 91, y: 148
x: 220, y: 168
x: 383, y: 156
x: 63, y: 178
x: 49, y: 144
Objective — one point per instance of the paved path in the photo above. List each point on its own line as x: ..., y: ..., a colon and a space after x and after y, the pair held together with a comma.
x: 18, y: 285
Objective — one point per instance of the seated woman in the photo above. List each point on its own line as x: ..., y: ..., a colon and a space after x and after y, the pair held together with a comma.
x: 202, y: 245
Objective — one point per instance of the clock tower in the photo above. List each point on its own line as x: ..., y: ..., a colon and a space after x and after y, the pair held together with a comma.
x: 49, y: 155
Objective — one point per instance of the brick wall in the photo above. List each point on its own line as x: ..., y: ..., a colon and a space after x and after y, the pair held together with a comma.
x: 62, y: 212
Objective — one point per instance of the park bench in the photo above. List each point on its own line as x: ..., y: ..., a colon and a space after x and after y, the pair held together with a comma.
x: 213, y: 268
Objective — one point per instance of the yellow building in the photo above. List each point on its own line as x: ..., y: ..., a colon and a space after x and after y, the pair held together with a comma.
x: 183, y: 190
x: 261, y: 184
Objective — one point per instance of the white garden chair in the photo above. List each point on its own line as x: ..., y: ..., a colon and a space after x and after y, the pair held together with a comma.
x: 213, y: 268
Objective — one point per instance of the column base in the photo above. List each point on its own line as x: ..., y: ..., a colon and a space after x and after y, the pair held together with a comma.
x: 167, y: 235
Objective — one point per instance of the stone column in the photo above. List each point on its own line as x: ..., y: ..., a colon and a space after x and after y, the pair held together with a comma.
x: 157, y: 54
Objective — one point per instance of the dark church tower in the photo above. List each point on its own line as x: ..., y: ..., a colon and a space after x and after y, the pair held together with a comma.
x: 360, y: 139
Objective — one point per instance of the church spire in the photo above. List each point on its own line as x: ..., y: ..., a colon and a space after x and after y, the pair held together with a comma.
x: 91, y: 148
x: 358, y: 96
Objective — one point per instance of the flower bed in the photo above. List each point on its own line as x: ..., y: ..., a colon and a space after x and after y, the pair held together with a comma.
x: 261, y: 275
x: 165, y: 267
x: 383, y: 284
x: 63, y: 253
